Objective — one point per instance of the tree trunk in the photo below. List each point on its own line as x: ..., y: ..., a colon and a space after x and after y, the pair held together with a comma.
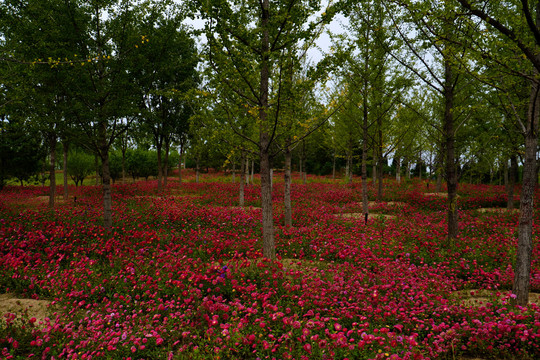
x: 197, y: 161
x: 180, y: 158
x: 522, y: 269
x: 159, y: 168
x: 304, y: 173
x: 287, y: 187
x: 246, y: 170
x: 106, y: 175
x: 242, y: 181
x: 269, y: 247
x: 96, y: 164
x: 166, y: 164
x: 379, y: 180
x: 334, y: 167
x: 420, y: 171
x: 52, y: 164
x: 233, y: 172
x: 123, y: 165
x: 511, y: 181
x: 449, y: 133
x: 398, y: 169
x: 365, y: 135
x: 252, y: 169
x: 348, y: 168
x: 374, y: 166
x: 65, y: 172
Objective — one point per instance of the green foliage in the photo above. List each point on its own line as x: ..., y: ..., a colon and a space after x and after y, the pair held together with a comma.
x: 79, y: 166
x: 21, y: 153
x: 141, y: 163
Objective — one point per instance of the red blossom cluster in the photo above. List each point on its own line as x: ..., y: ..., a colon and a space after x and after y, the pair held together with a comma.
x: 180, y: 275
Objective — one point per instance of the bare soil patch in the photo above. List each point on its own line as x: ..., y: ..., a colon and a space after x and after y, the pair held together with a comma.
x: 480, y: 297
x: 497, y: 210
x: 439, y: 194
x: 38, y: 309
x: 361, y: 216
x: 245, y: 207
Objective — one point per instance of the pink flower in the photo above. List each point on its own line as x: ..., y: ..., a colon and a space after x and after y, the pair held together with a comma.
x: 307, y: 348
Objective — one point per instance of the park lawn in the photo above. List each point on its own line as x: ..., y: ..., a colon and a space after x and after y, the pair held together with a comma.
x: 180, y: 276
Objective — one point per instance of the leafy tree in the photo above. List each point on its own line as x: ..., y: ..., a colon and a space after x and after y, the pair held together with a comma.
x: 165, y: 71
x: 514, y: 27
x: 80, y: 166
x: 21, y: 152
x: 245, y: 43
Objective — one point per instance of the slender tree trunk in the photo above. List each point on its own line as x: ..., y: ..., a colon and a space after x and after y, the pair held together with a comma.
x: 398, y: 169
x: 96, y: 164
x: 348, y: 168
x: 269, y: 247
x: 379, y: 180
x: 242, y: 181
x: 233, y: 171
x: 246, y: 170
x: 180, y: 158
x: 334, y: 166
x: 166, y: 164
x: 52, y: 165
x: 304, y: 173
x: 374, y: 166
x: 365, y: 203
x: 123, y: 165
x: 287, y: 187
x: 449, y: 133
x: 420, y: 170
x: 252, y: 169
x: 106, y: 175
x: 65, y: 147
x: 522, y: 269
x: 159, y: 168
x: 197, y: 163
x: 511, y: 177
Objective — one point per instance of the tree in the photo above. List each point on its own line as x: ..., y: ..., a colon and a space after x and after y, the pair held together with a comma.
x: 21, y: 152
x: 165, y: 70
x: 515, y: 26
x: 80, y: 166
x: 245, y: 43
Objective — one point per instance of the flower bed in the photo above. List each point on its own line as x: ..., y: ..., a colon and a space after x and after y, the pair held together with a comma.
x: 182, y: 277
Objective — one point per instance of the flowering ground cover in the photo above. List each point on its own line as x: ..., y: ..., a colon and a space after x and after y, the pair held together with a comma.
x: 180, y: 276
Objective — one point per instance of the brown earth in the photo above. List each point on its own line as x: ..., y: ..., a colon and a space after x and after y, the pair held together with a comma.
x: 38, y: 309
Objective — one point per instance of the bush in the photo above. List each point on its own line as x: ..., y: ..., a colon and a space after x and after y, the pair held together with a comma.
x: 79, y: 166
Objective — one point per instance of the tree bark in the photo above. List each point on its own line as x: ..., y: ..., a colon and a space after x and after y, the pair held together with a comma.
x: 180, y: 158
x: 106, y: 175
x: 246, y: 170
x: 65, y: 147
x: 449, y: 133
x: 287, y: 187
x: 242, y: 181
x: 52, y: 174
x: 166, y: 164
x: 269, y: 248
x: 197, y: 163
x: 365, y: 135
x: 398, y: 169
x: 522, y: 269
x: 334, y: 166
x: 159, y: 167
x: 379, y: 180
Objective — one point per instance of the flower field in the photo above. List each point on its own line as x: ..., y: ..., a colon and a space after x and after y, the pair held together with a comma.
x: 180, y: 276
